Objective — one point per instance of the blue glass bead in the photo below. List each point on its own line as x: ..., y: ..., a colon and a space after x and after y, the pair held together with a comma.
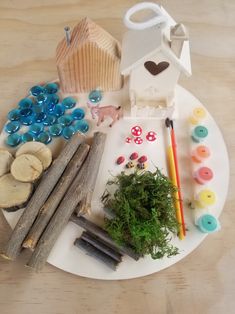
x: 27, y: 137
x: 52, y: 99
x: 78, y: 114
x: 27, y: 120
x: 26, y: 112
x: 40, y: 117
x: 42, y: 98
x: 37, y: 108
x: 95, y: 96
x: 65, y: 120
x: 12, y: 127
x: 55, y: 130
x: 49, y: 120
x: 44, y: 138
x: 25, y: 103
x: 51, y: 88
x: 36, y: 128
x: 13, y: 140
x: 69, y: 102
x: 14, y: 115
x: 49, y: 108
x: 68, y: 132
x: 59, y: 110
x: 81, y: 126
x: 37, y: 90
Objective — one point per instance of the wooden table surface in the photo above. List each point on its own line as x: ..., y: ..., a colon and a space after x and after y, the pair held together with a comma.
x: 204, y: 281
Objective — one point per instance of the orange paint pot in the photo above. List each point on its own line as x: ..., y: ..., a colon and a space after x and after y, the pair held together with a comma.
x: 200, y: 154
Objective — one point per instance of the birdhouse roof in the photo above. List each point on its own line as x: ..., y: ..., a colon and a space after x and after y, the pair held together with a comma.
x: 85, y: 32
x: 139, y: 46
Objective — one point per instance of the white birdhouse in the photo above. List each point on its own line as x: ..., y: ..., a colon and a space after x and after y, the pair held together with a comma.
x: 153, y: 58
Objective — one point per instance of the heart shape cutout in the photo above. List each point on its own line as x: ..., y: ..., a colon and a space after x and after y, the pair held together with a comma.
x: 155, y: 68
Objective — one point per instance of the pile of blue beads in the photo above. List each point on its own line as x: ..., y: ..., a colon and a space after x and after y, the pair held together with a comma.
x: 45, y: 116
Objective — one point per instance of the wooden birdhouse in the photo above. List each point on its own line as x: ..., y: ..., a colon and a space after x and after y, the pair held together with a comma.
x: 154, y: 58
x: 89, y: 58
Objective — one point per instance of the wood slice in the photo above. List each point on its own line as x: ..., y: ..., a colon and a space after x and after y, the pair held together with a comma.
x: 26, y: 168
x: 13, y: 194
x: 39, y: 150
x: 6, y: 160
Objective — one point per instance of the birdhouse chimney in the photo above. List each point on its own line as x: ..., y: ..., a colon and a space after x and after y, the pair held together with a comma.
x: 67, y: 35
x: 178, y: 35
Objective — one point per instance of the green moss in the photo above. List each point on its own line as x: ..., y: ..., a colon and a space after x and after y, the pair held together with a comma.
x: 144, y: 213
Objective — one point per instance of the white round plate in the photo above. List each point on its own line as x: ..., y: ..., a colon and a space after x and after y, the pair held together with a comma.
x: 71, y: 259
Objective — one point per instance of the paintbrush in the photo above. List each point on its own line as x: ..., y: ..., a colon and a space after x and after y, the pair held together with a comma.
x: 173, y: 177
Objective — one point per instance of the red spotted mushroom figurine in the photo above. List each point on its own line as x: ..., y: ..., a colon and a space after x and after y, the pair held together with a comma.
x: 138, y: 140
x: 136, y: 131
x: 151, y: 136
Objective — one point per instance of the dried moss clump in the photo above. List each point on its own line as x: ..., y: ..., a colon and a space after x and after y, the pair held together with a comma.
x: 144, y: 213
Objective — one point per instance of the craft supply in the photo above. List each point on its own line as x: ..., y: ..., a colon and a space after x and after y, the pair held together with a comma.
x: 49, y: 207
x: 101, y: 246
x: 50, y: 120
x: 93, y: 251
x: 6, y: 160
x: 13, y: 193
x: 26, y: 168
x: 55, y: 130
x: 12, y: 127
x: 103, y: 235
x: 130, y: 165
x: 13, y: 140
x: 59, y: 110
x: 78, y: 114
x: 74, y: 195
x: 69, y: 102
x: 142, y: 166
x: 142, y: 159
x: 39, y: 150
x: 40, y: 117
x: 134, y: 156
x: 115, y: 113
x: 27, y: 120
x: 120, y: 160
x: 128, y: 140
x: 45, y: 187
x: 81, y: 126
x: 205, y: 198
x: 65, y: 120
x: 27, y: 137
x: 14, y: 115
x: 136, y: 200
x: 51, y: 88
x: 37, y: 90
x: 44, y: 137
x: 208, y: 223
x: 173, y: 176
x: 95, y: 96
x: 151, y: 136
x: 136, y: 130
x: 200, y: 154
x: 199, y: 133
x: 68, y: 132
x: 199, y: 114
x: 203, y: 175
x: 138, y: 140
x: 25, y: 103
x: 174, y: 149
x: 36, y: 128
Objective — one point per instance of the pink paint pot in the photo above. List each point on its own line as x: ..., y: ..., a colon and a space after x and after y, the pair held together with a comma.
x: 203, y: 175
